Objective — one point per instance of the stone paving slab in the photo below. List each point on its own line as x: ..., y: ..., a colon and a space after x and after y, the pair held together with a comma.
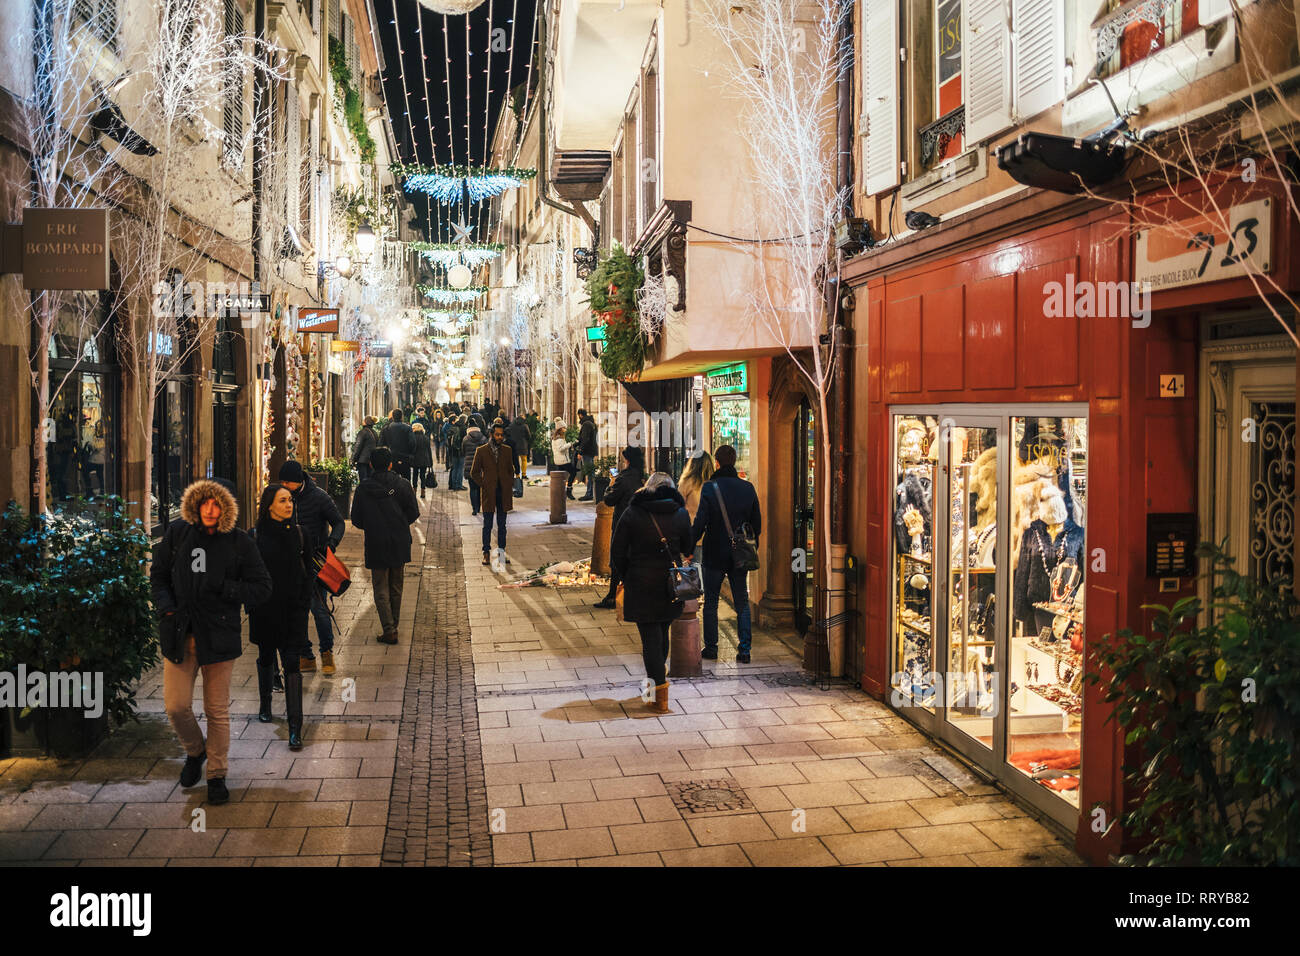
x: 507, y: 728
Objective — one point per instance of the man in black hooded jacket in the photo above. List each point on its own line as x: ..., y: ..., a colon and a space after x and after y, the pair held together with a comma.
x: 384, y: 507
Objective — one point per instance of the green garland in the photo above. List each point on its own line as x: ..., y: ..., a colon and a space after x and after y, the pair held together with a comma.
x: 350, y: 102
x: 624, y: 353
x: 459, y: 170
x: 421, y: 246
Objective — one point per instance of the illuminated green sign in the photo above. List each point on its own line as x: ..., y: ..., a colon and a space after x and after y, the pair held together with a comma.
x: 726, y: 380
x: 595, y: 333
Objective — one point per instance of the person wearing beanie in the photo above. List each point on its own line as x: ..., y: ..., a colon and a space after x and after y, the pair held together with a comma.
x: 631, y: 476
x: 323, y: 527
x: 204, y: 569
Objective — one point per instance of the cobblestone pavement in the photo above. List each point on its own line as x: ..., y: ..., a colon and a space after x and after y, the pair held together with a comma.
x: 438, y: 812
x: 515, y: 715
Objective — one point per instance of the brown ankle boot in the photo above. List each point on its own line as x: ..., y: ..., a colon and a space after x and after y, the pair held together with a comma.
x: 660, y: 703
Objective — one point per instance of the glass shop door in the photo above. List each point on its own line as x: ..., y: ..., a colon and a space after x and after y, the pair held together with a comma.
x: 967, y: 580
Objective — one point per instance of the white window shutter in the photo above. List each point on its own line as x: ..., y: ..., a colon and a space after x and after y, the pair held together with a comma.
x: 880, y: 95
x: 986, y: 47
x: 1038, y: 42
x: 1212, y: 11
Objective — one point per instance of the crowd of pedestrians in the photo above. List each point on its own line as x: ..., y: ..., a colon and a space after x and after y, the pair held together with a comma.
x: 207, y: 570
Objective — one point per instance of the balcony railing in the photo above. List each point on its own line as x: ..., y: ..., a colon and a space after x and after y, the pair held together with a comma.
x: 936, y: 136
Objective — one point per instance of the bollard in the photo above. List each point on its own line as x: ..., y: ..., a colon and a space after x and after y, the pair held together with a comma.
x: 600, y: 539
x: 559, y: 511
x: 684, y: 643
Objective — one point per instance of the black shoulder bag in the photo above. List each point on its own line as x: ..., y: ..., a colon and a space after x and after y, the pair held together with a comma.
x: 683, y: 581
x: 744, y: 546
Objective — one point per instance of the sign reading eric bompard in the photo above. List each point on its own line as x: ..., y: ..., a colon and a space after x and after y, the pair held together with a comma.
x: 65, y: 249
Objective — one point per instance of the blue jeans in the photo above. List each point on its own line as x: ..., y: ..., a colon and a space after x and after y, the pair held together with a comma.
x: 500, y: 513
x: 324, y: 623
x: 455, y: 472
x: 739, y: 594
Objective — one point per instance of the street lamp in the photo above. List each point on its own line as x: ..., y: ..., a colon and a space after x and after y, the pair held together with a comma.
x: 365, y: 240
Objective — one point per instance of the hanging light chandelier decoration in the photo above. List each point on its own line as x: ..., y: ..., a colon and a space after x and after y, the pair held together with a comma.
x: 450, y: 296
x: 451, y: 8
x: 448, y: 183
x: 448, y: 254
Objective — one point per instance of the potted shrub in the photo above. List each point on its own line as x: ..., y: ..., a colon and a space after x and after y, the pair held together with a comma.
x: 75, y: 609
x: 601, y: 470
x: 335, y: 475
x: 541, y: 452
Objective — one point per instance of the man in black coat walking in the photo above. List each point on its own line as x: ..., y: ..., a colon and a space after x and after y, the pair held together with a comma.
x: 400, y: 440
x: 588, y: 449
x: 323, y: 527
x: 521, y: 438
x: 741, y: 502
x: 384, y: 507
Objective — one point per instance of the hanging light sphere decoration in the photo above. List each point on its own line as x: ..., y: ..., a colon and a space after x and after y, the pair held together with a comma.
x: 459, y: 276
x: 451, y: 7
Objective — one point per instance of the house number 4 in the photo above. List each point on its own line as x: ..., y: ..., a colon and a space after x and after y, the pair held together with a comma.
x: 1171, y: 386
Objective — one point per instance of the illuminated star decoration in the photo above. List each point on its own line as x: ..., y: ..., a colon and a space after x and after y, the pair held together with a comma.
x: 462, y: 231
x: 449, y: 184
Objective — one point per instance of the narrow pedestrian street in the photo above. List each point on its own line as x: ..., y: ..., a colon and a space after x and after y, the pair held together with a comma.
x: 506, y: 727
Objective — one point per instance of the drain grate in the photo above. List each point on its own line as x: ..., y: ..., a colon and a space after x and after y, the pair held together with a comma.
x: 720, y: 795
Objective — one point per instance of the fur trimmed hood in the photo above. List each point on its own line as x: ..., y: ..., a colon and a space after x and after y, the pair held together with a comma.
x: 199, y: 492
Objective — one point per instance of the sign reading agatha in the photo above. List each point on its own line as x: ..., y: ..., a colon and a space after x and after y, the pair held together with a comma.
x: 65, y: 249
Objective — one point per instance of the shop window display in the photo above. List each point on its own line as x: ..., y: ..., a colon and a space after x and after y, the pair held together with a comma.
x: 988, y: 621
x: 729, y: 425
x: 914, y: 559
x: 1049, y: 559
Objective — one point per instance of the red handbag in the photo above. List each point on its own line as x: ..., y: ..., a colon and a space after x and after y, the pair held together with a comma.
x: 334, y: 574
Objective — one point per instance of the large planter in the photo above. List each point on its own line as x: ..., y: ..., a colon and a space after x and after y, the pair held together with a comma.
x: 51, y: 732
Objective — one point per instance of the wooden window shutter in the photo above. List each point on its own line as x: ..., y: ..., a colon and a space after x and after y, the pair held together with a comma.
x: 334, y: 19
x: 986, y: 42
x: 880, y: 95
x: 232, y: 106
x: 1038, y: 42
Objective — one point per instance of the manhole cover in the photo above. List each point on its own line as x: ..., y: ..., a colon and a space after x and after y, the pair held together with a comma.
x: 722, y: 795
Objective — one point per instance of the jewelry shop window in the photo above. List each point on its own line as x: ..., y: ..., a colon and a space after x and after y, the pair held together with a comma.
x: 1049, y: 514
x: 987, y: 607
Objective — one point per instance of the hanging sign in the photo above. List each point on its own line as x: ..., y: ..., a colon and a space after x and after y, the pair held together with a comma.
x: 318, y: 320
x: 344, y: 345
x: 380, y: 349
x: 726, y: 380
x: 1194, y: 250
x: 595, y: 333
x: 64, y: 249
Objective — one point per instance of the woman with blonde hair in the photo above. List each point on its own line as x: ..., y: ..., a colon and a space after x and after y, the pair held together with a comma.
x: 698, y: 471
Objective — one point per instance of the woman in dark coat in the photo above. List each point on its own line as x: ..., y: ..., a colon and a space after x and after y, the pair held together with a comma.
x: 203, y: 569
x: 654, y: 534
x: 281, y: 623
x: 365, y: 442
x: 631, y: 476
x: 423, y: 458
